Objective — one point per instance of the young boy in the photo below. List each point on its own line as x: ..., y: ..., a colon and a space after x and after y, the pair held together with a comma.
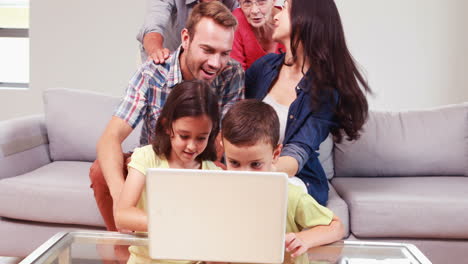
x: 250, y: 134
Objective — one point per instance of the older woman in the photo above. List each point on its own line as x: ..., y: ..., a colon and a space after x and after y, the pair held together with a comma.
x: 253, y: 37
x: 315, y: 87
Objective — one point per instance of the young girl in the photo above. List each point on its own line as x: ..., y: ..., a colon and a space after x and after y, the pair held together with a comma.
x: 184, y: 138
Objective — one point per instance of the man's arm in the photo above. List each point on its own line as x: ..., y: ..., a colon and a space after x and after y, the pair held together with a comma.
x: 109, y: 155
x: 151, y: 33
x: 153, y: 45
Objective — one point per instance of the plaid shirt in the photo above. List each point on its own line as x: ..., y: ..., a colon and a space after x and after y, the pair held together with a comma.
x: 149, y: 87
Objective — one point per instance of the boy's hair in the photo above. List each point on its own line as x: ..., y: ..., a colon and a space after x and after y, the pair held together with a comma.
x: 214, y: 10
x: 187, y: 99
x: 250, y: 121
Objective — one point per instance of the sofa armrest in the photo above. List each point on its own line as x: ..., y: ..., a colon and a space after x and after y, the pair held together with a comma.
x: 23, y: 145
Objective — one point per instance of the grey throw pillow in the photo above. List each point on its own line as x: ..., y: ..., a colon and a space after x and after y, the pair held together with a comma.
x: 75, y: 120
x: 412, y: 143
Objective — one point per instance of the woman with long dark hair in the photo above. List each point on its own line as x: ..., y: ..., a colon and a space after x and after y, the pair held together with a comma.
x: 315, y: 87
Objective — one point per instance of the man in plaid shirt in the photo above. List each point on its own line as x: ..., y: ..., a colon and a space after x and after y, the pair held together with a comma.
x: 204, y: 55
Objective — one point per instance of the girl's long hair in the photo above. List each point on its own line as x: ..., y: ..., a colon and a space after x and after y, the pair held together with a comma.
x: 316, y: 27
x: 187, y: 99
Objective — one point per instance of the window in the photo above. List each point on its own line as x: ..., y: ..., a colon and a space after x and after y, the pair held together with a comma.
x: 14, y: 44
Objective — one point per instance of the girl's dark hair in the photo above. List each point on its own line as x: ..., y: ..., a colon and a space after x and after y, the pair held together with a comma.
x: 316, y: 25
x: 187, y: 99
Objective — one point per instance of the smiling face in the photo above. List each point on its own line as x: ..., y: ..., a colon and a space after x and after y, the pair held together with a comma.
x: 189, y: 137
x: 258, y: 157
x: 206, y: 54
x: 282, y: 20
x: 258, y: 12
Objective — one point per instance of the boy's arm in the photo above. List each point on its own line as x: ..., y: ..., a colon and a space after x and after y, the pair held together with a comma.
x: 299, y: 243
x: 127, y: 215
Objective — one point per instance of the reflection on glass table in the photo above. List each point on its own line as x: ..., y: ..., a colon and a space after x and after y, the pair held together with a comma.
x: 112, y: 248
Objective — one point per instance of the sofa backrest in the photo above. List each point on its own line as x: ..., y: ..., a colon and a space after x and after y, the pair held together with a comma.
x: 430, y: 142
x: 75, y: 120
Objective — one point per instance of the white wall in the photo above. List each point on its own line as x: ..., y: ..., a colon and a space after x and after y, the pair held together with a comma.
x: 414, y: 52
x: 82, y: 44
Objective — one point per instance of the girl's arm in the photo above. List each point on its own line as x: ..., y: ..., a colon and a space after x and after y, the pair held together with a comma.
x: 127, y: 215
x: 298, y: 243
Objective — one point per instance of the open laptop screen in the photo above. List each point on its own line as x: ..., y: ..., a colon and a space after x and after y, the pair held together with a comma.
x: 216, y: 215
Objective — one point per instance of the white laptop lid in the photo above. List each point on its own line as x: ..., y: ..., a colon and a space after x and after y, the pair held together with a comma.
x: 216, y: 215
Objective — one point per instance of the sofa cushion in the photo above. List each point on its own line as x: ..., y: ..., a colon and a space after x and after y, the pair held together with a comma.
x: 61, y: 187
x: 410, y: 207
x: 23, y: 141
x: 76, y: 119
x: 428, y: 142
x: 338, y: 207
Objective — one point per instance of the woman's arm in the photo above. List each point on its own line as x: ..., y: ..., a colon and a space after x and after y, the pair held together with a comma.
x: 299, y: 243
x: 287, y: 164
x: 127, y: 215
x: 303, y: 141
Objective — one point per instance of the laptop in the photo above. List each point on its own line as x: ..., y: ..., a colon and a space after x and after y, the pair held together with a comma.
x: 222, y: 216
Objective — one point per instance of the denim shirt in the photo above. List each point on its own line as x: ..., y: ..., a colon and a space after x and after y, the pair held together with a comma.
x: 305, y: 130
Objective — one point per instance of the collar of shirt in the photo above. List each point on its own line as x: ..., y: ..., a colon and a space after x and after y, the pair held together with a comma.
x: 277, y: 62
x: 175, y: 73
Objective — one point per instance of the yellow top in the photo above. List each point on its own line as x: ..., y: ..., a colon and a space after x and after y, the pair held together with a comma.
x: 142, y: 159
x: 304, y: 211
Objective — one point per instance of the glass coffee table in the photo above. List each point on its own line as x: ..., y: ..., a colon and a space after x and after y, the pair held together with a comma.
x: 111, y: 248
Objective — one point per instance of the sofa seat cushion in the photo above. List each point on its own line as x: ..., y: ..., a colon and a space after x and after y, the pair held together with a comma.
x: 58, y: 192
x: 408, y: 207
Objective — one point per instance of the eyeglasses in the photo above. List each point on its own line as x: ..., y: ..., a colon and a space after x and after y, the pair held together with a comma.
x: 249, y: 3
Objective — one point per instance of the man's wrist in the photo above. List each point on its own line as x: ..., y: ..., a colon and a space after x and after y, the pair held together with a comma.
x: 115, y: 191
x: 152, y: 42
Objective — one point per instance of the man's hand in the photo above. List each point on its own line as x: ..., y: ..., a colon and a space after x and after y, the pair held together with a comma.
x: 153, y: 45
x: 159, y: 56
x: 295, y: 245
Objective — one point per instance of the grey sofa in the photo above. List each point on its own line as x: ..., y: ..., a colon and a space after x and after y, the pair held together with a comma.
x: 406, y: 180
x: 407, y: 167
x: 44, y: 167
